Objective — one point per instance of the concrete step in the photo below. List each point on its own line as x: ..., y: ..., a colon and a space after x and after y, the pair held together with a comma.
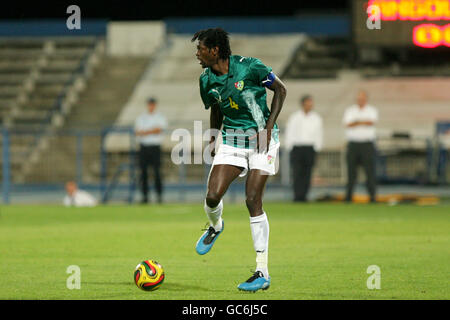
x: 99, y: 104
x: 107, y: 92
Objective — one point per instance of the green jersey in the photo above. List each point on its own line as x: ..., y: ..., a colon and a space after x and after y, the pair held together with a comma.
x: 242, y: 99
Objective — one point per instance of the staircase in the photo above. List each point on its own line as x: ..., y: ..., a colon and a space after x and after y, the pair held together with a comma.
x: 106, y: 92
x: 320, y: 58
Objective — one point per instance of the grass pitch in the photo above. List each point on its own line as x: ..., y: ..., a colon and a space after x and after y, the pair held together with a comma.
x: 316, y: 251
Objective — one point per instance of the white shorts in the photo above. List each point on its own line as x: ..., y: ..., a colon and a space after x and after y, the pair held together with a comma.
x: 249, y: 158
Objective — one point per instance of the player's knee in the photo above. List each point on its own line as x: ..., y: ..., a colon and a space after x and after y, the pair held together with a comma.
x: 213, y: 199
x: 253, y: 202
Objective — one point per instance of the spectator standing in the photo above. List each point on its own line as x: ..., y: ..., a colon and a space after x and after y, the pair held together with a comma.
x: 304, y: 138
x: 149, y: 129
x: 359, y: 121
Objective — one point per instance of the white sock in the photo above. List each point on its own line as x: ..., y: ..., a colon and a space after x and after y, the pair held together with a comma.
x: 260, y: 233
x: 215, y: 215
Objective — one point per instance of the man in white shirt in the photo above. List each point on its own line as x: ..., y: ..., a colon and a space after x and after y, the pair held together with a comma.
x: 304, y: 138
x: 149, y: 128
x: 78, y: 198
x: 359, y: 121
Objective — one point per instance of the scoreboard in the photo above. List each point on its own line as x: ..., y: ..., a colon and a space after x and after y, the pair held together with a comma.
x: 401, y: 23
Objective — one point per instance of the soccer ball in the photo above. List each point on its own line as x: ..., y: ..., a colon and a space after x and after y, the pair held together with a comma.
x: 149, y: 275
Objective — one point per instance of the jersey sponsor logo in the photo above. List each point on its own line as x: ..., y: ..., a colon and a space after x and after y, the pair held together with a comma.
x: 239, y: 85
x: 233, y: 104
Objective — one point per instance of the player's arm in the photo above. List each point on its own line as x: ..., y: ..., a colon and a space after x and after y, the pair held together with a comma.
x: 139, y: 131
x: 147, y: 132
x: 280, y: 91
x: 350, y: 122
x: 277, y: 86
x: 360, y: 123
x: 215, y: 122
x: 216, y: 117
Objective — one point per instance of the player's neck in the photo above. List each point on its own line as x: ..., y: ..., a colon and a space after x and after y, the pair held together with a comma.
x: 221, y: 67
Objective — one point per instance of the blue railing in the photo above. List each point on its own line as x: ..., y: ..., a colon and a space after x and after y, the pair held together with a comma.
x: 106, y: 188
x: 105, y: 181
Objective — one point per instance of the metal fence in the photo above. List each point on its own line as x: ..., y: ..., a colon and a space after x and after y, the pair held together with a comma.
x: 46, y: 160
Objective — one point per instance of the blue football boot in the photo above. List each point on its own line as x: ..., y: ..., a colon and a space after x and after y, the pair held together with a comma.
x: 206, y: 241
x: 255, y: 282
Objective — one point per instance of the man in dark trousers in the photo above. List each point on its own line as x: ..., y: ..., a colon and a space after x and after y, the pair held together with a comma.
x: 359, y: 121
x: 149, y: 128
x: 304, y: 135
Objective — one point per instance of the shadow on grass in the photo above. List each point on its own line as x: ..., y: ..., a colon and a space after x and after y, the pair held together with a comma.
x: 169, y: 286
x: 111, y: 283
x: 173, y: 286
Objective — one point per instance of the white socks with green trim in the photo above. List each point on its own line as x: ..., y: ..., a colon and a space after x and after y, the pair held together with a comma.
x: 215, y: 215
x: 260, y: 233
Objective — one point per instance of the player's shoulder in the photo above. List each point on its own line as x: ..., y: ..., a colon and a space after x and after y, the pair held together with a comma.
x: 204, y: 74
x: 204, y: 78
x: 81, y: 192
x: 243, y: 60
x: 316, y: 115
x: 371, y: 108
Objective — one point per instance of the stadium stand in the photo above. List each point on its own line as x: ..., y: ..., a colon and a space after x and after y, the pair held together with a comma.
x: 106, y: 92
x: 403, y: 63
x: 320, y: 57
x: 41, y: 79
x: 78, y: 87
x: 40, y: 72
x: 52, y: 87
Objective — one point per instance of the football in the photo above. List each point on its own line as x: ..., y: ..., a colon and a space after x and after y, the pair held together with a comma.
x: 149, y: 275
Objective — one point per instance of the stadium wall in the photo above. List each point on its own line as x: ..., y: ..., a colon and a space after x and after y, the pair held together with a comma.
x: 331, y: 25
x: 51, y: 28
x: 134, y: 38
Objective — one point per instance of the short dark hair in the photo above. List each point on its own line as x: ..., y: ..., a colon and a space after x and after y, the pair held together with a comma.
x: 215, y: 37
x: 305, y: 97
x: 152, y: 100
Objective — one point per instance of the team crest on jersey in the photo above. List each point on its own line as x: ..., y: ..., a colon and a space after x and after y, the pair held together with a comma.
x: 239, y: 85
